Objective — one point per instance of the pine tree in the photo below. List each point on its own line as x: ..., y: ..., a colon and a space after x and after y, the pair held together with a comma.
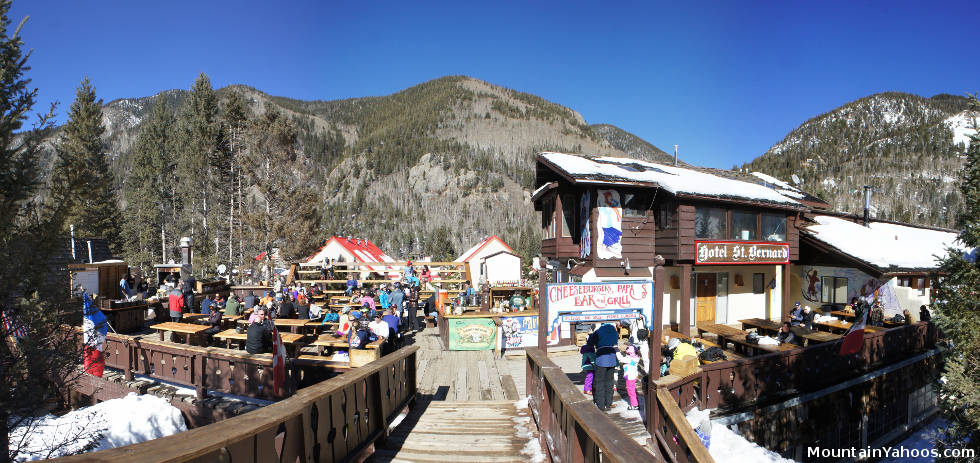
x: 34, y: 368
x: 236, y: 120
x: 958, y: 306
x: 286, y: 216
x: 149, y: 194
x: 81, y: 179
x: 440, y: 245
x: 203, y: 169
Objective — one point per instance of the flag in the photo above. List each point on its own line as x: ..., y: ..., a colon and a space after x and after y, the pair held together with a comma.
x: 261, y: 256
x: 854, y: 338
x: 11, y: 326
x: 278, y: 361
x: 94, y: 328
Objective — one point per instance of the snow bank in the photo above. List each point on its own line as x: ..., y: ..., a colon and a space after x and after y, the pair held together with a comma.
x: 726, y: 445
x: 532, y: 450
x: 113, y: 423
x: 884, y: 244
x: 923, y: 439
x: 671, y: 178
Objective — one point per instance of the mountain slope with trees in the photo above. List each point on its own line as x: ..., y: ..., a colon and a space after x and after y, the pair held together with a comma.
x: 908, y: 148
x: 454, y: 155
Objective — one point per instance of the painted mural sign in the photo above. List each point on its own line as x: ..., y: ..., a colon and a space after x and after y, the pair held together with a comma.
x: 609, y: 243
x: 859, y: 285
x: 519, y: 332
x: 472, y: 334
x: 568, y: 302
x: 740, y: 252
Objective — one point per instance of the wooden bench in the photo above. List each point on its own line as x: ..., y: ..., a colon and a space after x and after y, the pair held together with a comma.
x: 731, y: 355
x: 838, y: 326
x: 190, y: 330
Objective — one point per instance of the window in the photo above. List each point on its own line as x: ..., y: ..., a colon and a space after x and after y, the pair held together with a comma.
x: 758, y: 283
x: 743, y: 225
x: 773, y: 227
x: 548, y: 219
x: 635, y: 204
x: 711, y: 223
x: 568, y: 207
x: 665, y: 216
x: 834, y: 290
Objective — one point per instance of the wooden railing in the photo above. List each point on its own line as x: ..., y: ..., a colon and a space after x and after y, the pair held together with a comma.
x: 333, y: 421
x: 736, y: 383
x: 570, y: 426
x: 201, y: 368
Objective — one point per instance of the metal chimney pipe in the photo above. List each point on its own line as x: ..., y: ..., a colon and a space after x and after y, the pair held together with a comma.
x: 72, y: 228
x: 867, y: 204
x: 186, y: 269
x: 675, y: 155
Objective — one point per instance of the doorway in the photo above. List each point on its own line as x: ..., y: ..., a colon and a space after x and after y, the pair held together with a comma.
x: 706, y: 291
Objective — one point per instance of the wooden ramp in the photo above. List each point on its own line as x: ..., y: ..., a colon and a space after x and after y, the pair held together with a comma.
x: 469, y: 432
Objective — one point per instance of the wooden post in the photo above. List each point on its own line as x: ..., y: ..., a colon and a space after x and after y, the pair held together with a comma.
x: 543, y: 310
x: 785, y: 295
x: 654, y: 341
x: 128, y: 360
x: 685, y: 322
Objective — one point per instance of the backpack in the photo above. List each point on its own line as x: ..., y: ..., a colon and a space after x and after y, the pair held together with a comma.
x: 713, y: 354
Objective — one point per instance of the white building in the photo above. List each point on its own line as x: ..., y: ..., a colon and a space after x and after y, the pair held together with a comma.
x: 473, y: 257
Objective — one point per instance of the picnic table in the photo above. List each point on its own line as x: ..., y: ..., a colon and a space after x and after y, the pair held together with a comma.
x: 290, y: 340
x: 190, y: 330
x: 769, y: 327
x: 737, y: 337
x: 838, y: 326
x: 850, y: 315
x: 192, y: 317
x: 706, y: 343
x: 358, y: 357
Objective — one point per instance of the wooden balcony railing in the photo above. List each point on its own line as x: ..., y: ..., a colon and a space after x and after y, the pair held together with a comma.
x: 332, y: 421
x: 570, y: 425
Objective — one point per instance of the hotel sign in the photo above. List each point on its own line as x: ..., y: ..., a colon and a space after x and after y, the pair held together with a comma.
x: 740, y: 252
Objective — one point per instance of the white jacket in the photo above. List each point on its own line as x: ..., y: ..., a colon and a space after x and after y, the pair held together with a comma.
x: 631, y: 365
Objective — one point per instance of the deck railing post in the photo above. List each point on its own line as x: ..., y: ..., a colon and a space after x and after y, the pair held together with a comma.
x: 128, y: 360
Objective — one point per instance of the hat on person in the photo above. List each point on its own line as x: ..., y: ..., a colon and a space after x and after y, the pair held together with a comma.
x: 630, y: 350
x: 797, y: 304
x: 673, y: 343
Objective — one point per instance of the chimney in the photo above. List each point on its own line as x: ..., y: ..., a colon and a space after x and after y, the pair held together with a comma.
x: 185, y: 258
x: 675, y: 155
x: 867, y: 203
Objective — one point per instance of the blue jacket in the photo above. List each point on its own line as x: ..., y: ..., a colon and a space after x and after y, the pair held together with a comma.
x: 606, y: 340
x: 392, y: 321
x: 384, y: 299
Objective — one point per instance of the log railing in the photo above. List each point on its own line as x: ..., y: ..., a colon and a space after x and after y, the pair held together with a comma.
x: 569, y: 425
x: 332, y: 421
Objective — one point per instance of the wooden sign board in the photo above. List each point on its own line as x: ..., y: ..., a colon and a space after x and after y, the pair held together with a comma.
x: 740, y: 252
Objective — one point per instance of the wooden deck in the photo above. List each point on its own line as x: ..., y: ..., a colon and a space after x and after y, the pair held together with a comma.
x: 481, y: 431
x: 461, y: 375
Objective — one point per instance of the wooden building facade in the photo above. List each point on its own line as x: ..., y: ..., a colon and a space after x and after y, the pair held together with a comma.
x: 728, y: 239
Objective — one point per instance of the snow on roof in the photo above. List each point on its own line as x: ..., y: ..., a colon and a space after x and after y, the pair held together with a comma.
x: 674, y: 179
x: 475, y: 249
x: 780, y: 186
x: 884, y: 245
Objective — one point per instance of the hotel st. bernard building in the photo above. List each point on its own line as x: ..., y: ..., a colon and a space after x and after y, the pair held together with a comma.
x: 731, y: 241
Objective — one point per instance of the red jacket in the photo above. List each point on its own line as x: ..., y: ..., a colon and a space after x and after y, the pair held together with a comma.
x: 175, y: 303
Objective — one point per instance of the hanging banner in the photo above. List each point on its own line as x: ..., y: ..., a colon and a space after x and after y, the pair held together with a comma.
x: 610, y: 226
x: 519, y: 332
x: 472, y: 333
x: 584, y: 302
x: 585, y: 207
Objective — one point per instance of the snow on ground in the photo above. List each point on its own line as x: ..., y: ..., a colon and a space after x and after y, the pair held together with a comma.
x: 113, y: 423
x: 923, y: 439
x: 726, y: 445
x: 962, y: 127
x: 532, y: 448
x: 884, y: 244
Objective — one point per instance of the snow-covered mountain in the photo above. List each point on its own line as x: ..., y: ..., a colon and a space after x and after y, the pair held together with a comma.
x: 908, y: 148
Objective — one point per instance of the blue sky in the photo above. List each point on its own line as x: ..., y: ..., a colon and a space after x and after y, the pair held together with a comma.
x: 724, y: 80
